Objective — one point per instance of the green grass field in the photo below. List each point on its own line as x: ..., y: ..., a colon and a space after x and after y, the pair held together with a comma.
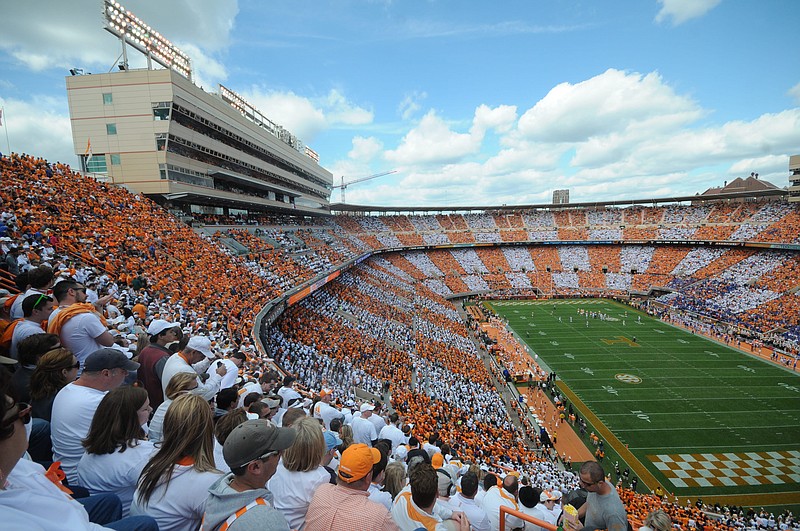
x: 670, y: 395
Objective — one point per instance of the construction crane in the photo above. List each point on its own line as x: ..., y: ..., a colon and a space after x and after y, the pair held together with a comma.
x: 344, y: 185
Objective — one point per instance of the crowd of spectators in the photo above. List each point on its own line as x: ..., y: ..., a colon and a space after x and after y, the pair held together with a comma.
x: 380, y: 345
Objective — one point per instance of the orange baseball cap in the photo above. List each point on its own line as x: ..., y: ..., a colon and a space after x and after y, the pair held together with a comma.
x: 437, y: 461
x: 357, y: 461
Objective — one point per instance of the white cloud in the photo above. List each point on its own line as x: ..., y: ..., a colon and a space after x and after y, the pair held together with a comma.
x: 609, y: 102
x: 365, y: 149
x: 766, y: 165
x: 794, y: 92
x: 306, y: 117
x: 433, y: 142
x: 340, y: 111
x: 614, y: 136
x: 39, y: 127
x: 295, y: 113
x: 55, y: 34
x: 501, y: 118
x: 207, y: 71
x: 680, y: 11
x: 411, y: 104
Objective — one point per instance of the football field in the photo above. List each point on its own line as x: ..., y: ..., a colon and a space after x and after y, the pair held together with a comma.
x: 701, y: 418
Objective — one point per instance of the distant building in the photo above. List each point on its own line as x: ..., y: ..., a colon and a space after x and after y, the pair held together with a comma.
x: 156, y: 133
x: 751, y: 184
x: 794, y: 178
x: 560, y: 197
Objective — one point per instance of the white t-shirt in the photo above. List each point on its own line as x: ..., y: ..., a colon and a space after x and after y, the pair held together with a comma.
x: 16, y: 308
x: 293, y: 491
x: 286, y: 394
x: 219, y: 458
x: 79, y: 333
x: 380, y: 496
x: 363, y: 431
x: 478, y: 519
x: 116, y: 473
x: 73, y: 410
x: 33, y: 502
x: 327, y: 413
x: 394, y: 434
x: 181, y: 506
x: 23, y: 329
x: 230, y: 377
x: 176, y: 364
x: 495, y: 497
x: 156, y: 425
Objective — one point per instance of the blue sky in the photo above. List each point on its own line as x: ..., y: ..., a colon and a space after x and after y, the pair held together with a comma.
x: 471, y: 102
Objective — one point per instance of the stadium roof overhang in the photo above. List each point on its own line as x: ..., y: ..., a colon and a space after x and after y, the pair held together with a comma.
x: 181, y: 193
x: 695, y: 199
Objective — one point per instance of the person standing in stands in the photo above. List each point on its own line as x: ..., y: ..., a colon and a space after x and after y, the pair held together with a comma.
x: 195, y: 359
x: 40, y: 279
x: 81, y: 329
x: 415, y: 507
x: 35, y: 310
x: 154, y: 356
x: 347, y: 504
x: 603, y: 508
x: 74, y: 406
x: 240, y: 501
x: 503, y: 495
x: 465, y: 501
x: 363, y: 429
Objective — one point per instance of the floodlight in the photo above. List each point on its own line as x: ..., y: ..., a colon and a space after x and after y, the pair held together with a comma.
x: 130, y: 29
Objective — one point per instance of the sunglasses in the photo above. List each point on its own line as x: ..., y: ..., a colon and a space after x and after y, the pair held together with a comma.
x: 23, y: 413
x: 586, y: 483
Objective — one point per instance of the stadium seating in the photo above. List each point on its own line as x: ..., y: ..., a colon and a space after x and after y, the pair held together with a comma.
x: 387, y: 319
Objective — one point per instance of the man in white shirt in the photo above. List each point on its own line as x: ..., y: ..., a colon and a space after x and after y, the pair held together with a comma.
x: 232, y: 364
x: 287, y: 391
x: 544, y: 509
x: 194, y: 359
x: 75, y: 404
x: 324, y: 410
x: 505, y: 495
x: 377, y: 419
x: 77, y: 322
x: 415, y: 506
x: 393, y: 432
x: 40, y: 280
x: 35, y: 309
x: 363, y: 429
x: 465, y: 501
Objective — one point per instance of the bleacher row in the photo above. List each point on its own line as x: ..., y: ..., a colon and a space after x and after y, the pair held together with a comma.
x: 386, y: 321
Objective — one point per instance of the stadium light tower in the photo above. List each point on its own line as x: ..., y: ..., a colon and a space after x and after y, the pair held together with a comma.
x: 130, y: 30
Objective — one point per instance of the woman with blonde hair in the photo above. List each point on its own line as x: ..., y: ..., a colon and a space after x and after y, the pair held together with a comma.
x: 300, y: 472
x: 174, y: 484
x: 657, y: 520
x: 394, y: 478
x: 178, y: 385
x: 55, y: 369
x: 117, y: 448
x: 346, y: 435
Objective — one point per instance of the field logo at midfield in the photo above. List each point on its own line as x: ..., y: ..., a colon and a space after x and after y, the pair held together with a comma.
x: 621, y: 339
x: 628, y: 378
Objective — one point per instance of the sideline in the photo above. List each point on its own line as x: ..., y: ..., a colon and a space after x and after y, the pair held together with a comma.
x: 644, y: 474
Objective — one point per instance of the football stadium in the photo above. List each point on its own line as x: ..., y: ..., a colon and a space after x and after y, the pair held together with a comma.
x: 187, y: 315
